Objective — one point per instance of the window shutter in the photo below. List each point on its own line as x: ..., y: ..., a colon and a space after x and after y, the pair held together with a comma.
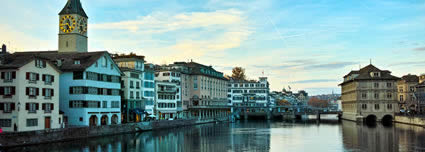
x: 28, y: 76
x: 36, y: 106
x: 43, y: 106
x: 53, y: 78
x: 12, y: 106
x: 36, y: 91
x: 43, y: 77
x: 44, y: 92
x: 2, y: 75
x: 14, y: 75
x: 1, y: 106
x: 1, y: 90
x: 71, y: 90
x: 52, y: 92
x: 27, y: 106
x: 27, y: 92
x: 37, y: 77
x: 51, y: 106
x: 13, y: 90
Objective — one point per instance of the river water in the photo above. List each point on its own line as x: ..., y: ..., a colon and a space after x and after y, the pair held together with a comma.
x: 262, y: 136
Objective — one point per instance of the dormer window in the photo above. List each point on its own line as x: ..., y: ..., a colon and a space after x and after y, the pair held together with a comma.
x: 77, y: 62
x: 104, y: 62
x: 40, y: 63
x: 375, y: 74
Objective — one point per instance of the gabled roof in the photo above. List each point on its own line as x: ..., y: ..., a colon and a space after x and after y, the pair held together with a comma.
x: 11, y: 61
x: 73, y: 7
x: 365, y: 74
x: 66, y: 59
x: 410, y: 78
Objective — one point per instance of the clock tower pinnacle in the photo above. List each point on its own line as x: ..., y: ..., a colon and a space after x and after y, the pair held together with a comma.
x: 73, y: 28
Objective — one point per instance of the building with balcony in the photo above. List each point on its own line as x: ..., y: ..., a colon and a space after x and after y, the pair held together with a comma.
x: 132, y: 101
x: 168, y: 95
x: 369, y: 94
x: 249, y: 93
x: 149, y: 93
x: 406, y: 88
x: 29, y: 92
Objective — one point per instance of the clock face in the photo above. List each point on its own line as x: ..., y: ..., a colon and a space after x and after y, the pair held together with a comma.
x: 82, y: 26
x: 67, y: 23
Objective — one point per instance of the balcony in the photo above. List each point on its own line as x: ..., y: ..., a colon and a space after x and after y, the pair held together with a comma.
x: 32, y: 81
x: 170, y: 90
x: 47, y: 83
x: 48, y: 97
x: 7, y: 81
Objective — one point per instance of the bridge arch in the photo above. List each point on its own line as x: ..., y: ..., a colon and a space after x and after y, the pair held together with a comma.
x: 387, y: 120
x: 371, y: 120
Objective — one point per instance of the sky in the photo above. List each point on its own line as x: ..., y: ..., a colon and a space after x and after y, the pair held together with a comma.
x: 305, y: 44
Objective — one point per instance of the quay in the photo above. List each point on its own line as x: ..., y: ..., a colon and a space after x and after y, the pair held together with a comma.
x: 17, y: 139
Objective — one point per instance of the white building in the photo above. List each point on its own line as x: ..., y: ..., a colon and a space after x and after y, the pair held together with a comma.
x: 29, y: 88
x: 249, y: 93
x: 168, y: 94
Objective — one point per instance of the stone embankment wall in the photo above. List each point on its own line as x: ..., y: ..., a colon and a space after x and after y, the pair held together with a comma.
x: 419, y: 121
x: 56, y: 135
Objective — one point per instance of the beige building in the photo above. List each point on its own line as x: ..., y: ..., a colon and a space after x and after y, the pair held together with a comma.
x: 406, y: 88
x: 369, y: 94
x: 29, y: 91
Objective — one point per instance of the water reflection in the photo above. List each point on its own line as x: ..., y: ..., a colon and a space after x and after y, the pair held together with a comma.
x: 328, y: 135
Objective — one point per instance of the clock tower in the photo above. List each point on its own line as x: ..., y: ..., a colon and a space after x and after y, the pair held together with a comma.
x: 73, y: 28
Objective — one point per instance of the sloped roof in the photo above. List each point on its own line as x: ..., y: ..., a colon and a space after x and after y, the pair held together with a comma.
x: 364, y: 74
x: 410, y: 78
x: 11, y: 61
x: 73, y: 7
x: 66, y: 58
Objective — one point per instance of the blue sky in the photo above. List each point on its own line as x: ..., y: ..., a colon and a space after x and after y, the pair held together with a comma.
x: 308, y: 44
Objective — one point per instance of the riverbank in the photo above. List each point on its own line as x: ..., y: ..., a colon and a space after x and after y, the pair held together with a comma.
x: 417, y: 121
x: 58, y: 135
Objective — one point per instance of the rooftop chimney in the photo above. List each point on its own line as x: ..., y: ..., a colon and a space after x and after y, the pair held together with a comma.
x: 3, y: 49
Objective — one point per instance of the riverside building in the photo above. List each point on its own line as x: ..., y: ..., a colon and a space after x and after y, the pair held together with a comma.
x: 249, y: 93
x: 406, y: 88
x: 29, y: 91
x: 168, y: 95
x: 369, y: 94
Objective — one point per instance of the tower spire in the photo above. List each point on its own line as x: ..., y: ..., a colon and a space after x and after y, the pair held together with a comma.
x: 73, y: 7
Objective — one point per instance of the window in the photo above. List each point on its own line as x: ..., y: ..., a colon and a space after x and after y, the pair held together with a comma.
x: 401, y: 98
x: 7, y: 91
x: 104, y: 61
x: 5, y: 123
x: 77, y: 62
x: 389, y: 85
x: 112, y: 66
x: 137, y: 85
x: 47, y: 107
x: 32, y: 122
x: 364, y: 106
x: 137, y: 95
x: 8, y: 76
x: 131, y: 95
x: 48, y: 79
x: 115, y: 104
x: 389, y: 95
x: 32, y: 77
x: 7, y: 107
x: 104, y: 104
x: 32, y: 92
x: 376, y: 95
x: 76, y: 104
x: 131, y: 84
x: 31, y: 107
x: 96, y: 64
x: 412, y: 89
x: 78, y: 75
x: 47, y: 93
x: 40, y: 63
x: 376, y: 85
x: 376, y: 106
x: 389, y: 106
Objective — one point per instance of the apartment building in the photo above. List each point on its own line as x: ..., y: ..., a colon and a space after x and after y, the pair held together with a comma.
x: 29, y: 92
x: 406, y: 88
x: 149, y: 92
x: 168, y: 94
x: 420, y: 94
x: 249, y: 93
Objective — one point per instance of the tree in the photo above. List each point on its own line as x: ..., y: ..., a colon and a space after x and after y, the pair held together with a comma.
x: 238, y: 73
x: 316, y: 102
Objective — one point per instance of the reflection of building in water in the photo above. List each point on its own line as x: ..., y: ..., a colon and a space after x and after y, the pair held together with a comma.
x: 243, y: 138
x: 378, y: 138
x: 410, y: 135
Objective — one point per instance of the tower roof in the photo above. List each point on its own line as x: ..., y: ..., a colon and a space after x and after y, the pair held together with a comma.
x: 73, y: 7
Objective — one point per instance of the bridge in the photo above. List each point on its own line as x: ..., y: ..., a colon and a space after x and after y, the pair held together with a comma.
x: 284, y: 111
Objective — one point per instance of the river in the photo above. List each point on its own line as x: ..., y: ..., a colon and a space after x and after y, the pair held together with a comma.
x: 277, y: 136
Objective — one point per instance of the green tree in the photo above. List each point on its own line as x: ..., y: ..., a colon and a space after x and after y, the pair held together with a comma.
x: 238, y: 73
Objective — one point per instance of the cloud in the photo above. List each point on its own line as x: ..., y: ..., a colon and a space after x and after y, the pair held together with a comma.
x: 314, y: 81
x: 306, y: 65
x: 408, y: 63
x: 334, y: 65
x: 419, y: 49
x: 164, y: 22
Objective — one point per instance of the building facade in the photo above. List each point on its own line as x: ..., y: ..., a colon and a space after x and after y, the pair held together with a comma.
x: 406, y: 88
x: 132, y: 101
x: 168, y: 95
x: 420, y: 94
x: 370, y: 94
x: 250, y: 93
x: 149, y: 92
x: 29, y: 88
